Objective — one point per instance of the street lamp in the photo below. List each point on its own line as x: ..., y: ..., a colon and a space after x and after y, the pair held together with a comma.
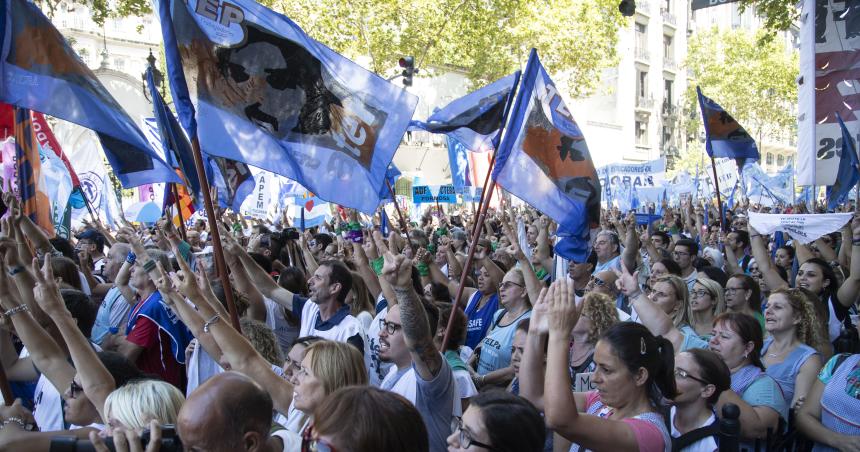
x: 157, y: 77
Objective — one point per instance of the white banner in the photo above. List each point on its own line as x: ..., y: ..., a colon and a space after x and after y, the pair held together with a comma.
x: 258, y: 202
x: 622, y: 181
x: 727, y: 175
x: 803, y: 228
x: 829, y: 69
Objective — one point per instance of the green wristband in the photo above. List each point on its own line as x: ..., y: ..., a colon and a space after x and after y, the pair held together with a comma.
x: 376, y: 265
x: 423, y: 269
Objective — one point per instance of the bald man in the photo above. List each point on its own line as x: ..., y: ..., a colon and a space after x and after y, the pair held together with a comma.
x: 230, y: 412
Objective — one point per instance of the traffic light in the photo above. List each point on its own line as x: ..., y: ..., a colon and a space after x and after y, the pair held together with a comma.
x: 408, y: 65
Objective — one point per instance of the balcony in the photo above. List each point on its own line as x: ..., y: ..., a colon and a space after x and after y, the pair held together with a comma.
x: 641, y: 53
x: 643, y: 7
x: 668, y: 110
x: 668, y: 18
x: 669, y: 64
x: 645, y: 103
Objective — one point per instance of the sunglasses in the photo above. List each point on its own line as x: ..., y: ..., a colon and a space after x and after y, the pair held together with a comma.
x: 75, y: 389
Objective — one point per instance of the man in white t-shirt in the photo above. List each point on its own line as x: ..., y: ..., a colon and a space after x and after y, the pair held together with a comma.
x: 421, y: 374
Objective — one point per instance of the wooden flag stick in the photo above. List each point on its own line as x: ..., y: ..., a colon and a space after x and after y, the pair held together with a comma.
x: 220, y: 264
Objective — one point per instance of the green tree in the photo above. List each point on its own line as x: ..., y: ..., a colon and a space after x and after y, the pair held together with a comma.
x: 488, y: 39
x: 778, y: 15
x: 753, y: 80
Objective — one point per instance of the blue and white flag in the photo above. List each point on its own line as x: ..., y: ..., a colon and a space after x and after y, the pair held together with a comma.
x: 474, y: 119
x: 40, y: 71
x: 724, y: 137
x: 391, y: 176
x: 268, y: 95
x: 767, y: 190
x: 543, y: 159
x: 458, y: 161
x: 849, y: 170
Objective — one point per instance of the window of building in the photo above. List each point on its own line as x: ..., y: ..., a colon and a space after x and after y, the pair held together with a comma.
x: 668, y: 49
x: 642, y: 84
x: 780, y: 160
x: 119, y: 64
x: 667, y: 136
x: 641, y: 39
x: 667, y: 6
x: 641, y: 131
x: 668, y: 89
x: 769, y: 158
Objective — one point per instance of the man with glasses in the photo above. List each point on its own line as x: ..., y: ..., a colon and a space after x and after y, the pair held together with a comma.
x: 93, y: 242
x: 420, y: 373
x: 684, y: 254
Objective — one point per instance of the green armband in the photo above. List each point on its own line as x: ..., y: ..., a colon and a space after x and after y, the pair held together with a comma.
x: 423, y: 269
x: 376, y: 265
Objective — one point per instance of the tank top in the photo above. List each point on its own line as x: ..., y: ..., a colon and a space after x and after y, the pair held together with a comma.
x: 496, y: 345
x: 597, y: 408
x: 840, y: 401
x: 786, y: 371
x: 479, y: 319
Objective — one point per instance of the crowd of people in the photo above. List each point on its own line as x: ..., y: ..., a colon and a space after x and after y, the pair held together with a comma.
x: 350, y: 338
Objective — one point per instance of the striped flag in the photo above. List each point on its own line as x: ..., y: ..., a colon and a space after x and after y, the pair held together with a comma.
x: 31, y: 185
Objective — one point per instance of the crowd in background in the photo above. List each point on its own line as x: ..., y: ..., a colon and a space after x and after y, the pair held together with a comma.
x: 350, y: 338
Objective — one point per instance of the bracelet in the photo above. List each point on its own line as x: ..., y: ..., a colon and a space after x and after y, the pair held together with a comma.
x: 16, y: 310
x: 15, y: 270
x: 149, y: 266
x: 215, y: 319
x: 131, y: 257
x: 27, y: 426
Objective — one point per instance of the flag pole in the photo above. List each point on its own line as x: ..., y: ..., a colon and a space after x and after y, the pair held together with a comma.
x: 486, y: 196
x: 220, y: 264
x: 403, y: 224
x: 179, y: 212
x: 717, y: 188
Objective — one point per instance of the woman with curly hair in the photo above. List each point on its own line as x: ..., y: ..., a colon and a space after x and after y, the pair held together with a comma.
x: 706, y: 302
x: 790, y: 354
x: 598, y: 315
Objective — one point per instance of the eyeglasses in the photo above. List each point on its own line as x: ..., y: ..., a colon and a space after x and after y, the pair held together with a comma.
x: 683, y: 374
x: 597, y: 281
x: 733, y: 290
x: 311, y: 444
x: 699, y: 293
x: 680, y: 253
x: 507, y: 284
x: 75, y: 389
x: 389, y: 327
x: 465, y: 438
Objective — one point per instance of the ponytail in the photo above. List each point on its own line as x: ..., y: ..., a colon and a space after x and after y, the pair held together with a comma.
x: 638, y: 348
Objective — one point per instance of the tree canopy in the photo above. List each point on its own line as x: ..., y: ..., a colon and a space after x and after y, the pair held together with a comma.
x: 754, y: 80
x: 486, y: 39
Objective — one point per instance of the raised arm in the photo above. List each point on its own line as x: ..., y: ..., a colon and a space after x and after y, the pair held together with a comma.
x: 45, y: 354
x: 762, y: 258
x: 426, y: 358
x: 851, y: 287
x: 533, y: 284
x: 97, y: 382
x: 657, y: 321
x: 263, y: 282
x: 243, y: 284
x: 561, y: 406
x: 532, y: 365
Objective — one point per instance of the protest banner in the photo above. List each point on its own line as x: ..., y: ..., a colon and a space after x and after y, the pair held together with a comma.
x: 803, y: 228
x: 433, y: 194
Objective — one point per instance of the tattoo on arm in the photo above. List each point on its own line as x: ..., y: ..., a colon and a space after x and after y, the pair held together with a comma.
x: 416, y: 329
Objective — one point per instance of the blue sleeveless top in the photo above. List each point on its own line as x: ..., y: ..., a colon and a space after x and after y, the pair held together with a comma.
x: 479, y: 320
x: 785, y: 372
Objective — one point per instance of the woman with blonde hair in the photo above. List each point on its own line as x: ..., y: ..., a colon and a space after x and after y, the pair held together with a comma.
x: 598, y: 315
x: 706, y: 303
x: 790, y: 354
x: 134, y: 405
x: 670, y: 294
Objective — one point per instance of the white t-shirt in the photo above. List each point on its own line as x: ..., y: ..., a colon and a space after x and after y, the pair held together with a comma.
x: 377, y: 370
x: 465, y: 386
x: 341, y: 327
x: 706, y: 444
x: 47, y: 406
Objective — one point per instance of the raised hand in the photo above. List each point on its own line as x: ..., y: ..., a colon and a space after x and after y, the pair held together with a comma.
x: 540, y: 315
x: 47, y: 291
x: 562, y: 312
x: 397, y: 269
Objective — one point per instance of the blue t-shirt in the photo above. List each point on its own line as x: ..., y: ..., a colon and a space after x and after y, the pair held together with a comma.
x: 479, y: 319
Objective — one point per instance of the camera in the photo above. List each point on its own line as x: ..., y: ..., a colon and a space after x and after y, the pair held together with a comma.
x: 169, y: 442
x: 290, y: 234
